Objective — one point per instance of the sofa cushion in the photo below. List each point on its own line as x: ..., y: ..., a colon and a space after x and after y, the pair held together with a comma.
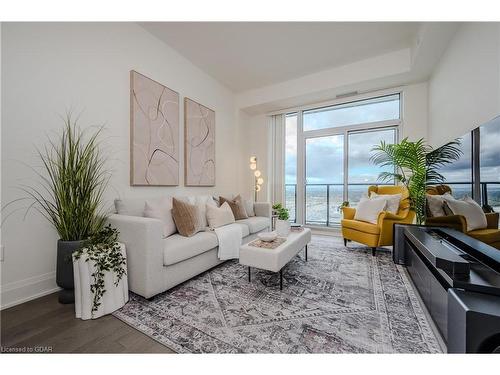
x: 256, y: 223
x: 162, y: 210
x: 178, y: 248
x: 245, y: 231
x: 360, y: 226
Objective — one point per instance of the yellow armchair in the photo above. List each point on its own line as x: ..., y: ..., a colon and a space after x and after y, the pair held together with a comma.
x: 380, y: 234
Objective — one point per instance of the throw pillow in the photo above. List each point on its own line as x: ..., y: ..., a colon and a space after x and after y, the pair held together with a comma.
x: 186, y: 217
x: 201, y: 201
x: 393, y: 201
x: 249, y: 207
x: 473, y: 213
x: 162, y: 210
x: 368, y: 209
x: 237, y: 207
x: 219, y: 216
x: 435, y: 204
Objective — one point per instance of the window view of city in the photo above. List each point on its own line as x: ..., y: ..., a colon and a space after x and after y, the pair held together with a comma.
x: 458, y: 175
x: 337, y: 148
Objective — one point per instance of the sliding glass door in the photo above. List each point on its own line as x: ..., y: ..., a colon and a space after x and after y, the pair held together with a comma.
x: 327, y: 156
x: 361, y: 171
x: 324, y: 179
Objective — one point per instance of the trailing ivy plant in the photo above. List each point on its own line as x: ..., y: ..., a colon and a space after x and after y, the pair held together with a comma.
x: 104, y: 250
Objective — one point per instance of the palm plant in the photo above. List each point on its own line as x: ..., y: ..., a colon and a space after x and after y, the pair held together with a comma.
x: 73, y: 180
x: 416, y: 164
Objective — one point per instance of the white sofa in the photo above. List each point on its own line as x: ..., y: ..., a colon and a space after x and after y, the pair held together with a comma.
x: 156, y: 264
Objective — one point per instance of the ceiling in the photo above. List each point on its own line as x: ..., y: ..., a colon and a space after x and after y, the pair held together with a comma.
x: 248, y: 55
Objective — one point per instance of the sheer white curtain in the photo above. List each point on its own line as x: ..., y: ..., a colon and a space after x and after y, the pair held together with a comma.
x: 277, y: 180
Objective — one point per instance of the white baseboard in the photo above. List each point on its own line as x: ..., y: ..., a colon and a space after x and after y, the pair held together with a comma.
x: 25, y: 290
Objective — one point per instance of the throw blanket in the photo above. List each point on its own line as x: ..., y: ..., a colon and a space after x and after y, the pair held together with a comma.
x: 229, y: 237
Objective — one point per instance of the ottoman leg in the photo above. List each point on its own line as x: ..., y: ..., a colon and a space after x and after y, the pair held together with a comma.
x: 249, y: 274
x: 306, y: 253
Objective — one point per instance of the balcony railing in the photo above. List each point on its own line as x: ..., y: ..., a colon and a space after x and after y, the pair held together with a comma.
x: 322, y: 201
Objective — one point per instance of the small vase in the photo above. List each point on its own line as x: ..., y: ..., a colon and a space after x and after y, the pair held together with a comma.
x: 282, y: 228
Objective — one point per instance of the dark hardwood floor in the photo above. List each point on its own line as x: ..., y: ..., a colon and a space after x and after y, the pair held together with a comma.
x: 44, y: 325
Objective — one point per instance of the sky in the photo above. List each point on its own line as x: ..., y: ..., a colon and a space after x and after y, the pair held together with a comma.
x: 324, y: 156
x: 460, y: 171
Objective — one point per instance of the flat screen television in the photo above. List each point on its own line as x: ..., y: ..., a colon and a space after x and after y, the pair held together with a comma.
x: 477, y: 172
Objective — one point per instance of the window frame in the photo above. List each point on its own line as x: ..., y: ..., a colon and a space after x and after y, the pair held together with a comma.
x: 302, y: 136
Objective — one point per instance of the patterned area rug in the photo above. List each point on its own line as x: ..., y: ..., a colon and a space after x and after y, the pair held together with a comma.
x: 342, y: 300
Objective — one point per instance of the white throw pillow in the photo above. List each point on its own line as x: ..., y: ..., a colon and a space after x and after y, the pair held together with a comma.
x: 219, y: 216
x: 368, y: 209
x: 161, y: 209
x: 435, y: 204
x: 393, y: 201
x: 467, y: 207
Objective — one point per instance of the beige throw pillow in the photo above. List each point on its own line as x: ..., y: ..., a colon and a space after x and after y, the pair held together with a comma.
x: 368, y: 209
x: 186, y: 217
x: 467, y: 207
x: 201, y: 201
x: 162, y: 210
x: 219, y: 216
x: 237, y: 206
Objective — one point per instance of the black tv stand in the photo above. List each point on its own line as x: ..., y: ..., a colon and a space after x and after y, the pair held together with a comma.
x: 458, y: 279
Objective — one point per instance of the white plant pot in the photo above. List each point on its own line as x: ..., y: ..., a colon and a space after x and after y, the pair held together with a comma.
x: 114, y: 298
x: 282, y: 228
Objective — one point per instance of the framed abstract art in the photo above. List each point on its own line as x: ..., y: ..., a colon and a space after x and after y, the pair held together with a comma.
x: 154, y: 133
x: 199, y: 144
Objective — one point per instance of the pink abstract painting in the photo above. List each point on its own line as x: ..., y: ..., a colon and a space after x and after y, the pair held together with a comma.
x: 199, y: 144
x: 154, y: 132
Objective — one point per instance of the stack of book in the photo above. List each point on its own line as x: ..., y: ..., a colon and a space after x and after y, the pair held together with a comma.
x: 296, y: 227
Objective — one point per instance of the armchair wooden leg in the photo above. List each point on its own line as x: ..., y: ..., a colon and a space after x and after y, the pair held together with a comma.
x: 373, y: 251
x: 345, y: 241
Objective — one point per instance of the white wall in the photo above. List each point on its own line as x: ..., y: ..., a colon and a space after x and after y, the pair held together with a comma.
x: 464, y: 87
x: 368, y: 74
x: 415, y: 111
x: 49, y: 68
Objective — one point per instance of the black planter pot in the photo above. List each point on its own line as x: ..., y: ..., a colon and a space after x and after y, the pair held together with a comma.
x: 64, y: 269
